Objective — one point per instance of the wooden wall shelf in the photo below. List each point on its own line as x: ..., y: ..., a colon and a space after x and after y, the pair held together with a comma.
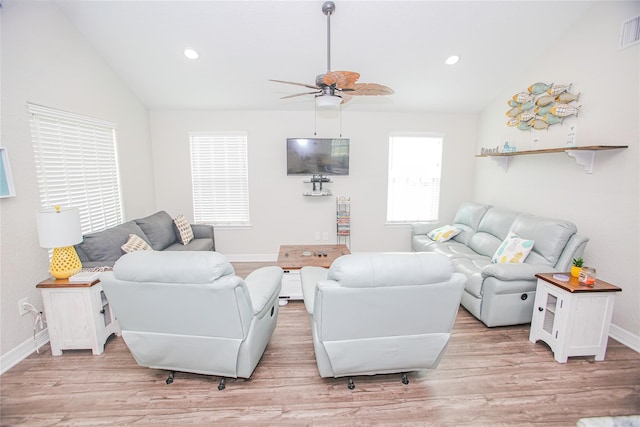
x: 584, y: 155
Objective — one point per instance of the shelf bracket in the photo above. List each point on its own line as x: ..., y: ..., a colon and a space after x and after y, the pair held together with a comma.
x: 584, y: 158
x: 501, y: 161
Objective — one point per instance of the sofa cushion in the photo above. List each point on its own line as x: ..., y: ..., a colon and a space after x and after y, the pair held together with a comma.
x: 444, y: 233
x: 159, y: 230
x: 135, y: 243
x: 467, y: 219
x: 390, y: 269
x: 513, y: 249
x: 472, y: 268
x: 183, y: 229
x: 493, y: 229
x: 104, y: 246
x: 194, y: 245
x: 172, y: 267
x: 551, y: 236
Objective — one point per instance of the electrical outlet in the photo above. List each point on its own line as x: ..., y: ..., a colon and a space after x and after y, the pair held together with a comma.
x: 21, y: 308
x: 317, y: 235
x: 325, y: 235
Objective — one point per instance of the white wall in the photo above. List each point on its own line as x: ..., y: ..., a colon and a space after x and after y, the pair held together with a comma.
x: 279, y: 212
x: 605, y: 204
x: 45, y: 61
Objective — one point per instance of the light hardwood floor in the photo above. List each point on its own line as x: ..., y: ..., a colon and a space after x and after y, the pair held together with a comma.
x: 488, y: 376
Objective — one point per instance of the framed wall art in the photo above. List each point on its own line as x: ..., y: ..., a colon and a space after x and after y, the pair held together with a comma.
x: 7, y: 188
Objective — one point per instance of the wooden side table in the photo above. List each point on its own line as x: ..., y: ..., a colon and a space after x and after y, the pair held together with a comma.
x: 571, y: 318
x: 291, y: 258
x: 78, y: 315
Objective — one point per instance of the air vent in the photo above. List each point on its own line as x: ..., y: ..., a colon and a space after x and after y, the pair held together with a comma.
x: 630, y: 33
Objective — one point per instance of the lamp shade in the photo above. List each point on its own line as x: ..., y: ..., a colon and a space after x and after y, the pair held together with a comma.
x: 59, y: 227
x: 328, y: 101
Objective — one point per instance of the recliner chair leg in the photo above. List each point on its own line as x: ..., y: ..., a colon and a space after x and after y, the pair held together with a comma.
x: 405, y: 380
x: 351, y: 385
x: 221, y: 386
x: 170, y: 378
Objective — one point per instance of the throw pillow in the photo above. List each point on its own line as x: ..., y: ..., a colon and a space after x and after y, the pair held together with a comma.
x: 185, y: 233
x: 444, y: 233
x: 513, y: 249
x: 135, y: 243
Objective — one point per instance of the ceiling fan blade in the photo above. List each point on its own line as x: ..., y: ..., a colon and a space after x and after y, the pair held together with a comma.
x: 341, y: 79
x: 369, y: 89
x: 295, y: 83
x: 301, y: 94
x: 345, y: 98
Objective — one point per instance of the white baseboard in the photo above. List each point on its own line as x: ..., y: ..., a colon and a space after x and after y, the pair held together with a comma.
x: 625, y: 337
x: 24, y: 350
x: 252, y: 257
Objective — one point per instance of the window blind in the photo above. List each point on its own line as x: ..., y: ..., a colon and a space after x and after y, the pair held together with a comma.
x: 220, y: 178
x: 414, y: 178
x: 76, y: 165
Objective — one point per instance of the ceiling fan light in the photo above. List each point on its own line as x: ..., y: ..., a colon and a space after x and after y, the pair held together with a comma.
x: 328, y: 101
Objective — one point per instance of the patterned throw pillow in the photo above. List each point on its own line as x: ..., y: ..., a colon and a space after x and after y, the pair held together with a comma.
x: 185, y: 233
x: 135, y: 243
x: 444, y: 233
x: 513, y: 249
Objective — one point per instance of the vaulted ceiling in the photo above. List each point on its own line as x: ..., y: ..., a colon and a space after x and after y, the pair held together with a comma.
x: 243, y: 44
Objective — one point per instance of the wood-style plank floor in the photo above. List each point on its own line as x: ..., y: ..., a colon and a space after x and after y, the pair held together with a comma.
x: 488, y: 376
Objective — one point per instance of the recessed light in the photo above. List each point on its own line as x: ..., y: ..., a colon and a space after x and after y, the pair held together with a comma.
x: 452, y: 60
x: 191, y: 53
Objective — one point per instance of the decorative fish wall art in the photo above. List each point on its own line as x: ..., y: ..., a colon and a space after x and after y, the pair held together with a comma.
x: 542, y: 105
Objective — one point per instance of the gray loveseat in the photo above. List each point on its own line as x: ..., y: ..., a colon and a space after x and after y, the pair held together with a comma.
x: 103, y: 248
x: 502, y: 293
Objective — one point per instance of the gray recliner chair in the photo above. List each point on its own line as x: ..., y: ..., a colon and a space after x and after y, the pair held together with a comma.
x: 380, y: 313
x: 189, y: 312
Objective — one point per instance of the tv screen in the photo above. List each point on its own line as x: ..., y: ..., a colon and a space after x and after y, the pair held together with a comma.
x: 317, y: 156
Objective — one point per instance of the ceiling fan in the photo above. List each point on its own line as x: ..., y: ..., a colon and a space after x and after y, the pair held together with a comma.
x: 336, y: 87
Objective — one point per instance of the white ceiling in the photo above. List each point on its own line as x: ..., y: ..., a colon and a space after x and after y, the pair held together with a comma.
x: 242, y: 44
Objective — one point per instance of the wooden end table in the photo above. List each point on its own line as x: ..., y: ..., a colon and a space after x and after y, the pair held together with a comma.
x: 573, y: 319
x: 292, y: 258
x: 78, y: 315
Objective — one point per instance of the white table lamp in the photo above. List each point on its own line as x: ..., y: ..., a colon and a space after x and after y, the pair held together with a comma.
x: 59, y: 228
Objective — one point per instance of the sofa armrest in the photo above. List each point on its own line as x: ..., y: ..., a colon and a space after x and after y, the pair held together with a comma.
x: 309, y: 278
x: 574, y: 249
x: 515, y: 271
x: 203, y: 231
x: 264, y: 284
x: 419, y: 228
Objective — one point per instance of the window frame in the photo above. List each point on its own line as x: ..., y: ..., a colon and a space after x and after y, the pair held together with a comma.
x: 227, y: 181
x: 433, y: 212
x: 76, y: 162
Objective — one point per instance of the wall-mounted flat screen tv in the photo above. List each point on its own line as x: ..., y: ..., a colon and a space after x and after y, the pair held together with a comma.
x: 317, y: 156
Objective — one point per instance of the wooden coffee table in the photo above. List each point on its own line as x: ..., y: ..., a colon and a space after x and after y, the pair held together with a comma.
x: 292, y: 258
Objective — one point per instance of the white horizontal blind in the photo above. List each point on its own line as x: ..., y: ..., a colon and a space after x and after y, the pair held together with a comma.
x: 76, y: 165
x: 220, y: 178
x: 414, y: 178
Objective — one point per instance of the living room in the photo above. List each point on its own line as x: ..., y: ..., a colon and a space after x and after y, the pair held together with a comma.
x: 48, y: 61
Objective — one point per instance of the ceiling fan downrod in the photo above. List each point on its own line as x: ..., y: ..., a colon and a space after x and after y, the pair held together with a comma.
x: 328, y: 8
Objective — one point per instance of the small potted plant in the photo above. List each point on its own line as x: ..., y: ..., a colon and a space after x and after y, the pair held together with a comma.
x: 577, y: 266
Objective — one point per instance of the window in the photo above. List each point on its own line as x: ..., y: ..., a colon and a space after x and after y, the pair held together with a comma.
x: 414, y: 178
x: 220, y: 178
x: 76, y: 165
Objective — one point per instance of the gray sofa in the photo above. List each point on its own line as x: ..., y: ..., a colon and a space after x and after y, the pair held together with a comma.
x: 502, y: 293
x: 103, y: 248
